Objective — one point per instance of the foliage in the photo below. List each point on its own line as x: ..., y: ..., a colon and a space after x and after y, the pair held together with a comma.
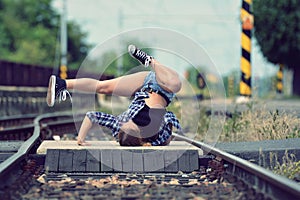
x: 192, y: 78
x: 108, y: 61
x: 29, y: 33
x: 191, y: 116
x: 290, y: 167
x: 192, y: 74
x: 277, y: 30
x: 231, y: 82
x: 249, y: 122
x: 255, y: 124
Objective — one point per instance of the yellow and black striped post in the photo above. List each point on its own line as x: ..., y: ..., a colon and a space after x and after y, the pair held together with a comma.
x: 279, y: 84
x: 63, y: 72
x: 247, y: 25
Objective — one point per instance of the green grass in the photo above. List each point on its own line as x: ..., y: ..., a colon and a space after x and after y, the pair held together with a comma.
x: 290, y: 166
x: 260, y: 124
x: 254, y: 123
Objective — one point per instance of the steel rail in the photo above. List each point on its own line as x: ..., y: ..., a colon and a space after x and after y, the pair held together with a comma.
x: 274, y: 185
x: 25, y: 148
x: 16, y: 119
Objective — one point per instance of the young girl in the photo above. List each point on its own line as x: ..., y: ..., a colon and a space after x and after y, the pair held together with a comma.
x: 146, y: 121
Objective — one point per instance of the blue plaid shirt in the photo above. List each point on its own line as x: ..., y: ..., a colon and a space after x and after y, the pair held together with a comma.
x: 114, y: 122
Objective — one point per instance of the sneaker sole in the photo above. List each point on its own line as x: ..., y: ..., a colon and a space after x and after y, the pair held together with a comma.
x: 51, y: 91
x: 131, y: 50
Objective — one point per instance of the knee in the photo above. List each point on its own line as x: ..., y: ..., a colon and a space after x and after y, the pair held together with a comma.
x: 174, y: 85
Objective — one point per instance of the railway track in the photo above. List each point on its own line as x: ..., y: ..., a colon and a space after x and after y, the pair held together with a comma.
x: 220, y: 175
x: 20, y: 137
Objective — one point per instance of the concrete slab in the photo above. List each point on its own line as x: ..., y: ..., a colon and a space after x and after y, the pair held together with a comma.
x: 51, y: 144
x: 265, y: 153
x: 109, y: 156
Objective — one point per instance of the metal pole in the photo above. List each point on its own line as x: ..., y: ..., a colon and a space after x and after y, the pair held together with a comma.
x: 63, y: 41
x: 279, y: 85
x: 247, y: 25
x: 120, y: 58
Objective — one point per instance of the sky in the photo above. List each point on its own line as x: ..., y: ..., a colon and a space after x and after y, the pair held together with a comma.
x: 212, y: 25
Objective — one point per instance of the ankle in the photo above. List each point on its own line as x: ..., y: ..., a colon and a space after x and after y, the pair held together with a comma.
x: 62, y: 83
x: 79, y: 139
x: 153, y: 62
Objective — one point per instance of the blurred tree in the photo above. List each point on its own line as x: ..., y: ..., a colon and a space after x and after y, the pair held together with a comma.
x: 277, y: 30
x: 192, y: 75
x: 29, y: 33
x: 231, y: 81
x: 108, y: 61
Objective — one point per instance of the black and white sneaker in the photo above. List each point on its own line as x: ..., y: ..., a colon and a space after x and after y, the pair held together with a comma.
x: 56, y: 89
x: 140, y: 55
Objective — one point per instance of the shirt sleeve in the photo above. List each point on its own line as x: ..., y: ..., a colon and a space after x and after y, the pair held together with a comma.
x: 170, y: 118
x: 166, y: 131
x: 104, y: 119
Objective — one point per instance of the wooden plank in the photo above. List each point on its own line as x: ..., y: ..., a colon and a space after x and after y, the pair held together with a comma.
x: 171, y: 160
x: 127, y: 160
x: 51, y: 161
x: 117, y: 160
x: 137, y: 160
x: 93, y: 160
x: 79, y: 160
x: 153, y: 161
x: 50, y: 144
x: 106, y: 160
x: 65, y: 160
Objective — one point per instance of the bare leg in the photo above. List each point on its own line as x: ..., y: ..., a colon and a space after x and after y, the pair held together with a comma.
x: 167, y: 78
x: 85, y: 127
x: 121, y: 86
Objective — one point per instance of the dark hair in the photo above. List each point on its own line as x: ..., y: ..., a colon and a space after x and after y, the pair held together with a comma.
x: 129, y: 140
x: 126, y: 139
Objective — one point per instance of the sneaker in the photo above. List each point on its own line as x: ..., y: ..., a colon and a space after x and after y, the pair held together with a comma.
x: 56, y: 89
x: 140, y: 55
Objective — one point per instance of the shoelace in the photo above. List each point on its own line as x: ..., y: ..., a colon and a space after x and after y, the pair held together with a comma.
x: 62, y: 95
x: 147, y: 61
x: 141, y: 55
